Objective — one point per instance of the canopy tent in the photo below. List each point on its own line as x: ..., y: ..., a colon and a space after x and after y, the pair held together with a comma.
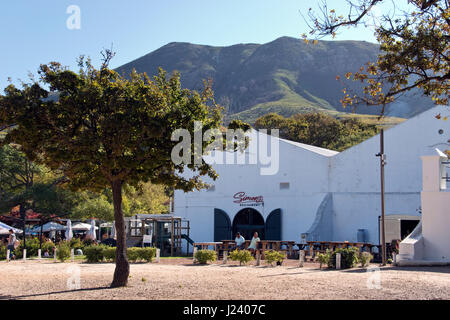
x: 4, y: 226
x: 48, y: 227
x: 80, y: 226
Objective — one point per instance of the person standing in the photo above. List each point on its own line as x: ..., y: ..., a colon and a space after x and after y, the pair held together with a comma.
x: 11, y: 243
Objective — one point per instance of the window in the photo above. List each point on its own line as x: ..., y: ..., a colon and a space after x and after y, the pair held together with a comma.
x: 284, y: 185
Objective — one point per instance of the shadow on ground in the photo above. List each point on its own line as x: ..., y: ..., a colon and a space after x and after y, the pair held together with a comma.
x: 10, y: 297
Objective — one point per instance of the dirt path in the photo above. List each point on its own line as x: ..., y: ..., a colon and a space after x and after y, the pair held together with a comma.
x: 180, y: 279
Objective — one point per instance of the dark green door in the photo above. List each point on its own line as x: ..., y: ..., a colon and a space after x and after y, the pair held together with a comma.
x: 222, y: 226
x: 273, y: 225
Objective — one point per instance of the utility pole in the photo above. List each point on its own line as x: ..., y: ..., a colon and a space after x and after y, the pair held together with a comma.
x: 382, y: 164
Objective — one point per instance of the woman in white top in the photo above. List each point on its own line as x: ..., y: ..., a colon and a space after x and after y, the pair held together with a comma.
x: 253, y: 243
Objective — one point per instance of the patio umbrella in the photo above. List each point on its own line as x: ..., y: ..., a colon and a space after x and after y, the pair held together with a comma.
x: 3, y: 231
x: 7, y: 227
x: 113, y: 230
x: 92, y: 230
x: 49, y: 227
x: 69, y: 233
x: 79, y: 226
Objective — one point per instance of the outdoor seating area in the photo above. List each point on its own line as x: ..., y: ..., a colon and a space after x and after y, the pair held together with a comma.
x: 290, y: 248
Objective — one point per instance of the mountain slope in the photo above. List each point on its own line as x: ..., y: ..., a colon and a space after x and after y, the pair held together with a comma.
x: 286, y: 75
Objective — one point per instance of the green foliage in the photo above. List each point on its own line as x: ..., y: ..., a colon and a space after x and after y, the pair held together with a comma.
x: 63, y: 251
x: 243, y: 256
x: 365, y: 258
x: 2, y: 251
x: 32, y: 246
x: 203, y: 256
x: 76, y: 243
x: 272, y: 256
x: 98, y: 253
x: 319, y: 129
x: 109, y: 253
x: 133, y: 254
x: 349, y: 257
x: 94, y: 253
x: 324, y: 258
x: 145, y: 198
x: 147, y: 254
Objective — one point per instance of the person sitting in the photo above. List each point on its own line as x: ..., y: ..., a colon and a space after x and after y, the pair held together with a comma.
x: 240, y: 242
x: 253, y: 243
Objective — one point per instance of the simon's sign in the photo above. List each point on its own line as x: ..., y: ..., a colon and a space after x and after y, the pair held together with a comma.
x: 244, y: 200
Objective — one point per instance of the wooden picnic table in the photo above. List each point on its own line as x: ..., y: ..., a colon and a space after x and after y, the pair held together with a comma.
x: 206, y: 245
x: 263, y: 245
x: 332, y: 245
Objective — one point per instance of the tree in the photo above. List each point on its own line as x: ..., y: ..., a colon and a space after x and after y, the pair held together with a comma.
x: 319, y: 129
x: 104, y: 130
x: 414, y: 44
x: 16, y: 171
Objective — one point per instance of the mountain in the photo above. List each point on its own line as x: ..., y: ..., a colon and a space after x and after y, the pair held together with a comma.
x: 285, y: 76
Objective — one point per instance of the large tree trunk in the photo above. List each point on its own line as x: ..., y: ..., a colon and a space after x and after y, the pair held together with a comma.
x: 122, y: 270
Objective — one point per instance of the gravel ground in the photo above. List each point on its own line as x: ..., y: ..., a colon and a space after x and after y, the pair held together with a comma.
x: 180, y: 279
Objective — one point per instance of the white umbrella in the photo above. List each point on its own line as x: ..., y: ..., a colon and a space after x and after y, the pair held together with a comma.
x: 49, y: 227
x: 69, y: 233
x: 92, y: 230
x: 79, y: 226
x: 7, y: 227
x: 113, y: 231
x: 3, y: 231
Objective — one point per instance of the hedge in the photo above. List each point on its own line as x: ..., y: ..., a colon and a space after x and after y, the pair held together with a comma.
x: 100, y: 253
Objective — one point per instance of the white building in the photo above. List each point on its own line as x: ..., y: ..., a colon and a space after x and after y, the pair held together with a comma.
x: 322, y: 193
x: 429, y: 243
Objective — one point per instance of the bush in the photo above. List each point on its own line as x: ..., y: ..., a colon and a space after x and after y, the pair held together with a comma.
x: 63, y: 251
x: 94, y: 253
x: 48, y: 246
x: 75, y: 243
x: 101, y: 252
x: 32, y: 246
x: 147, y: 254
x: 203, y: 256
x: 365, y: 258
x: 274, y: 256
x: 349, y: 257
x: 109, y: 253
x: 324, y: 258
x: 2, y: 251
x: 133, y: 254
x: 88, y: 242
x: 243, y: 256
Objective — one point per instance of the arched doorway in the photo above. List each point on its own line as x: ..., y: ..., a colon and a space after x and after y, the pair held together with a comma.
x: 247, y: 221
x: 222, y: 225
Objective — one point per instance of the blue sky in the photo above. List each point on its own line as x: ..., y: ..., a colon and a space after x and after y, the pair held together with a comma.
x: 35, y: 32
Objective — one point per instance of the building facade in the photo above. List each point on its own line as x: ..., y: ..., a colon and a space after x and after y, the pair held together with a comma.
x: 318, y: 193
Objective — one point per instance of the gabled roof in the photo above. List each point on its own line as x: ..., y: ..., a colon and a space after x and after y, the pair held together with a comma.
x: 322, y: 151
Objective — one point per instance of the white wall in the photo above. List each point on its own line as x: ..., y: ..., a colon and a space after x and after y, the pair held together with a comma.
x: 355, y: 174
